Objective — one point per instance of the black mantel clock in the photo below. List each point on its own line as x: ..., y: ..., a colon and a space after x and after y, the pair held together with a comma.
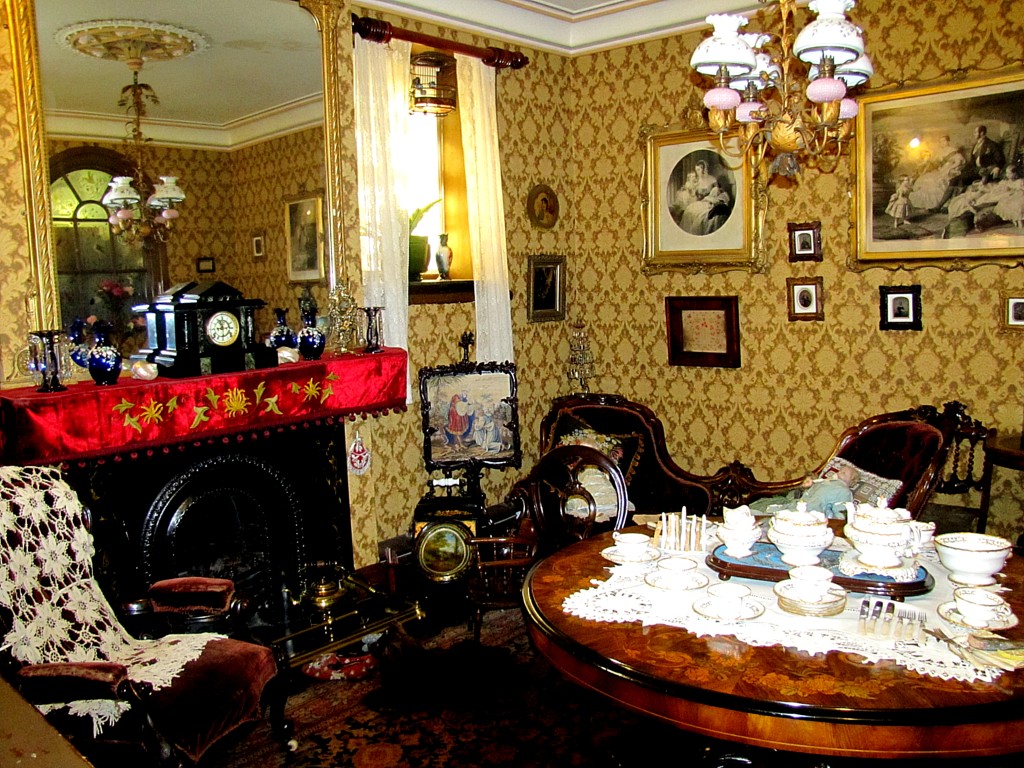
x: 197, y: 329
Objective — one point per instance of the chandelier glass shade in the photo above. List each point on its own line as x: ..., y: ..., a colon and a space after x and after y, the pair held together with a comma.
x: 788, y: 92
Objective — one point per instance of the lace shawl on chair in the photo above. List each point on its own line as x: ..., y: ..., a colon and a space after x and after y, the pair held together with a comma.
x: 58, y: 612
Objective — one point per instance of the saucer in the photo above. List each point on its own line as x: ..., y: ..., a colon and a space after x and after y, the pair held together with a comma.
x: 615, y: 554
x: 676, y: 582
x: 706, y: 608
x: 831, y: 603
x: 949, y: 612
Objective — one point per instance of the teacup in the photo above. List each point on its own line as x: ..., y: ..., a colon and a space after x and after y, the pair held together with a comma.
x: 676, y: 570
x: 980, y: 608
x: 632, y: 546
x: 811, y: 583
x: 727, y: 599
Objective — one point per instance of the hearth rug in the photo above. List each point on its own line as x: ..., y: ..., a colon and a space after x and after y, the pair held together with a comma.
x: 627, y: 597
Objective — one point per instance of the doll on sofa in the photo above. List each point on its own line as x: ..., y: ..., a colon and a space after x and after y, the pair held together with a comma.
x: 820, y: 495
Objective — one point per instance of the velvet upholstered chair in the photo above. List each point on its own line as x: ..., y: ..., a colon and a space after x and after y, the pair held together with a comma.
x: 66, y: 651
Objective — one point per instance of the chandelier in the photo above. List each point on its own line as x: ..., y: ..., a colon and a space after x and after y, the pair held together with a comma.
x: 137, y: 209
x: 787, y: 91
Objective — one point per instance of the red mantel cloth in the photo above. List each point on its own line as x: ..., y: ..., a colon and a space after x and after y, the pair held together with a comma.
x: 88, y: 420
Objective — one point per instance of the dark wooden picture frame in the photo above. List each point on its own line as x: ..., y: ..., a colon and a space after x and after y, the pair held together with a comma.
x: 805, y: 241
x: 542, y: 206
x: 899, y: 307
x: 206, y: 264
x: 805, y: 298
x: 545, y: 288
x: 703, y: 331
x: 470, y: 415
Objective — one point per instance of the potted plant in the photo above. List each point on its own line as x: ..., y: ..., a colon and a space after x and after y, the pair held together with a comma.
x: 419, y: 248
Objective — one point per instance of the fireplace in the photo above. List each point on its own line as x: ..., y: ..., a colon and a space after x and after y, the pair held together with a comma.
x: 180, y: 483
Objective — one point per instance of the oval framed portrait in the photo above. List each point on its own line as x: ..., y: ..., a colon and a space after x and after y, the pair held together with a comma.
x: 542, y: 206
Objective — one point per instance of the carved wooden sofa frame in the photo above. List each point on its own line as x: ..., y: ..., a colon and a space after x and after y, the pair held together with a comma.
x: 928, y: 450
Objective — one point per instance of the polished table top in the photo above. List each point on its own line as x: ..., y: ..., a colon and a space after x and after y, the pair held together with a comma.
x: 771, y: 696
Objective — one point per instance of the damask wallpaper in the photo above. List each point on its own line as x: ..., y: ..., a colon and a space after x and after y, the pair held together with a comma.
x: 573, y: 124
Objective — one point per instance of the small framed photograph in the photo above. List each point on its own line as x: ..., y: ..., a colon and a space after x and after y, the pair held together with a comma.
x: 703, y: 331
x: 304, y: 235
x: 258, y: 238
x: 545, y: 288
x: 899, y: 307
x: 805, y: 298
x: 542, y: 206
x: 205, y: 264
x: 805, y: 241
x: 1013, y: 313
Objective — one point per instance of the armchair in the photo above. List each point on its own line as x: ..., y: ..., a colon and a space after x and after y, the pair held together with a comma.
x: 500, y: 564
x: 66, y: 651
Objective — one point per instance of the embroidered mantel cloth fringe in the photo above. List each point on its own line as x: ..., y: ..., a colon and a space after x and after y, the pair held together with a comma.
x: 87, y: 420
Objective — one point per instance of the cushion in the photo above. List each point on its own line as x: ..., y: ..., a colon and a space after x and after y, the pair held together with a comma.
x: 625, y: 449
x: 600, y: 487
x: 870, y: 488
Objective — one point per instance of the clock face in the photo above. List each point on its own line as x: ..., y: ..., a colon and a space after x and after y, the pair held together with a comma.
x: 222, y: 328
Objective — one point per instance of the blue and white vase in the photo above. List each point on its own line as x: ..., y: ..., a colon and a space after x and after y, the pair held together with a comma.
x: 104, y: 357
x: 311, y: 338
x: 282, y: 335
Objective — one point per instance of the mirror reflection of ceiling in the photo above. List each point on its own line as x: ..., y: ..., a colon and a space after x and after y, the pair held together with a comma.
x: 261, y: 74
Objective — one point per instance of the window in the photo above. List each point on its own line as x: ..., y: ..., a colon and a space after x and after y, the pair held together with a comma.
x: 90, y: 260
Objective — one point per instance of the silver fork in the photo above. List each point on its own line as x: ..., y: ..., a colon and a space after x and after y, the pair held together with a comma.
x: 904, y: 623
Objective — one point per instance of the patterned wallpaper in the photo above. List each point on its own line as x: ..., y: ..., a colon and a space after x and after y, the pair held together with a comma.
x: 573, y: 124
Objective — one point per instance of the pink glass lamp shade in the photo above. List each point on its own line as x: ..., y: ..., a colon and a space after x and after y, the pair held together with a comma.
x: 848, y: 108
x: 830, y: 35
x: 745, y: 111
x: 721, y: 98
x: 826, y: 89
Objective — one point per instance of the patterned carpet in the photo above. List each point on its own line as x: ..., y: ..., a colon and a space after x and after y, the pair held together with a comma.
x: 445, y: 701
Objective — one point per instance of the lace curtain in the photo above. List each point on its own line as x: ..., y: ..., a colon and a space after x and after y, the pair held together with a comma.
x: 381, y: 74
x: 478, y: 114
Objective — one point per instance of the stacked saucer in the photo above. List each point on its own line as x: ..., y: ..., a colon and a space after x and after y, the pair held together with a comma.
x: 809, y: 591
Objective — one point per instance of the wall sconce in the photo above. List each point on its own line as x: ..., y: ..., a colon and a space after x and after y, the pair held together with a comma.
x: 433, y: 90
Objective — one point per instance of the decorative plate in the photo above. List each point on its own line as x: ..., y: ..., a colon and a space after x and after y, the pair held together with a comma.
x: 949, y: 612
x: 706, y: 608
x: 616, y: 556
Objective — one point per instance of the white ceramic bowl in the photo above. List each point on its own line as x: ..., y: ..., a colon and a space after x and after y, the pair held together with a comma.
x: 800, y: 550
x: 973, y: 559
x: 738, y: 542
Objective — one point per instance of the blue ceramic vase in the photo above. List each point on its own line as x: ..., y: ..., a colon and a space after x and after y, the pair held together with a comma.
x: 104, y: 357
x: 79, y: 344
x: 311, y: 338
x: 282, y: 335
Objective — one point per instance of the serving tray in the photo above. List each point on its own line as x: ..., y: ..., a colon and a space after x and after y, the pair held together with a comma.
x: 765, y: 564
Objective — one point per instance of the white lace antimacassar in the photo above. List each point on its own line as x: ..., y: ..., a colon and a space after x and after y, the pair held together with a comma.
x: 59, y: 614
x: 626, y: 598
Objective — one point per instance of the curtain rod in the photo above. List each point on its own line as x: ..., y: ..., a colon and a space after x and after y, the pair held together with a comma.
x: 377, y: 31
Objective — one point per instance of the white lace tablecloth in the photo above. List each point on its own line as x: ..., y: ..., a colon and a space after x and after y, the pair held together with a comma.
x: 626, y: 597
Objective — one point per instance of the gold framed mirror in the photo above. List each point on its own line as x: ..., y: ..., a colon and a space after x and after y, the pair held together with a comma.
x: 29, y: 296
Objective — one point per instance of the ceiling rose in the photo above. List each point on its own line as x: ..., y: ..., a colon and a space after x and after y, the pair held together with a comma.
x: 131, y: 41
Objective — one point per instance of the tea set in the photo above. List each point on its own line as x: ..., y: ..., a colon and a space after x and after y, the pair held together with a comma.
x: 883, y: 541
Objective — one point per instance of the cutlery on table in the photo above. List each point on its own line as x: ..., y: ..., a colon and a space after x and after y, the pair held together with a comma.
x: 875, y: 613
x: 890, y: 611
x: 862, y: 621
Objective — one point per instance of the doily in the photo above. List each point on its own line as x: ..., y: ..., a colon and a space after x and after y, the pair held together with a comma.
x: 907, y: 570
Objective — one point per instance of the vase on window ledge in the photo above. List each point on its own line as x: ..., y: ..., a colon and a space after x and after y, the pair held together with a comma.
x: 311, y: 339
x: 444, y: 258
x: 282, y: 335
x: 104, y: 358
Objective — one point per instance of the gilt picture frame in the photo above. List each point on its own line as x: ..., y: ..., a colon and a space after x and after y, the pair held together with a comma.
x: 805, y: 298
x: 928, y: 192
x: 703, y: 331
x: 1012, y: 312
x: 697, y: 204
x: 304, y: 237
x: 545, y: 288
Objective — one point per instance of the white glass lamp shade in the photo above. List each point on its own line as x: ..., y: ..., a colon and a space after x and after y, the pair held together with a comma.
x: 856, y: 72
x: 826, y: 89
x: 166, y: 193
x: 848, y: 108
x: 724, y: 48
x: 762, y: 64
x: 830, y: 35
x: 121, y: 193
x: 745, y: 112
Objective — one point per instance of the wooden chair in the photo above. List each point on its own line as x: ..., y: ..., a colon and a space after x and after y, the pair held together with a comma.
x: 67, y: 652
x: 500, y: 564
x: 573, y: 492
x: 635, y: 437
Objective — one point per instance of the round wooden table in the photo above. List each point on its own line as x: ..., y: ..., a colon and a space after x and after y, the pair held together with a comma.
x: 771, y: 697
